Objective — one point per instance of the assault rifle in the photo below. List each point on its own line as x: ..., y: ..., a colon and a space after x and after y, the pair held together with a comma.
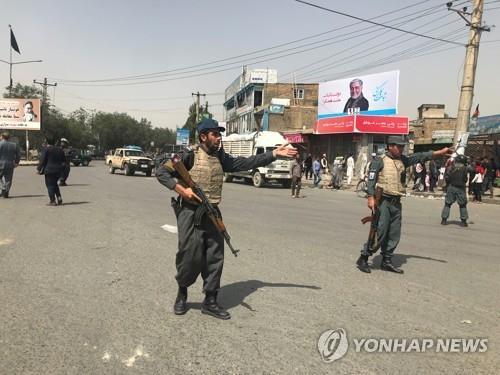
x: 212, y: 212
x: 373, y: 244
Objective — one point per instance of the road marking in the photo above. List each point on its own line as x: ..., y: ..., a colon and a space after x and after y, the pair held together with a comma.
x: 8, y: 241
x: 170, y: 228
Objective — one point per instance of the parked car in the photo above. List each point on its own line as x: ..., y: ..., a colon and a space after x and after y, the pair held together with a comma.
x: 78, y: 157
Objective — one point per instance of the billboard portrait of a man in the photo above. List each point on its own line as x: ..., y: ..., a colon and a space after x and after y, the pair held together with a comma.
x: 29, y: 114
x: 357, y: 100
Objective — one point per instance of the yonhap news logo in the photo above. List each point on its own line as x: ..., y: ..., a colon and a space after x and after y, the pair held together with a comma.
x: 333, y: 344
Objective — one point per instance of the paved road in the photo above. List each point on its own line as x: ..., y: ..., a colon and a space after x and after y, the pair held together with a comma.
x: 87, y: 288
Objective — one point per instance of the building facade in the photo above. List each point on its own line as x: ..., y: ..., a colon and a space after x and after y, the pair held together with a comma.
x: 256, y: 101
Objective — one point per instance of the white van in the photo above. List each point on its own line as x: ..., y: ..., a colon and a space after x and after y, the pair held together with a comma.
x: 253, y: 144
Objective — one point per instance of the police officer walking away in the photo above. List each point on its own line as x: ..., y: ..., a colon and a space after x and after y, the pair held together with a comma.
x: 10, y: 155
x: 386, y: 172
x: 201, y: 246
x: 66, y: 168
x: 456, y: 179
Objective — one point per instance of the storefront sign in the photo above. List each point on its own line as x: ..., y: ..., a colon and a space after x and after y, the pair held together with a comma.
x: 363, y: 124
x: 294, y: 138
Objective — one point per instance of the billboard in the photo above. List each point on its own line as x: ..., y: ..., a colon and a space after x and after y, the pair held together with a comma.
x: 20, y: 114
x: 485, y: 125
x: 374, y: 94
x: 363, y: 124
x: 182, y: 137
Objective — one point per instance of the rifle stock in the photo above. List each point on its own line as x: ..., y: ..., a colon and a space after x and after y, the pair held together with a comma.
x: 212, y: 212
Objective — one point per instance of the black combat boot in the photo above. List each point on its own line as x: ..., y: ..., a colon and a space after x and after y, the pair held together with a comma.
x: 463, y: 223
x: 362, y: 264
x: 443, y: 222
x: 210, y: 307
x: 387, y: 265
x: 180, y: 305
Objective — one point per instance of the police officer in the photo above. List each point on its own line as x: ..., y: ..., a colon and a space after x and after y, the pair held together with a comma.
x: 66, y: 167
x: 201, y: 246
x: 456, y: 179
x: 387, y: 172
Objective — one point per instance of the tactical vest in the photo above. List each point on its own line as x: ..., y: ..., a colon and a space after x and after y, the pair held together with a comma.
x: 458, y: 175
x: 207, y: 174
x: 389, y: 178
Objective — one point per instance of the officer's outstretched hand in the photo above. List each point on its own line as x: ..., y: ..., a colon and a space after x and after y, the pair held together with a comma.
x: 285, y: 151
x: 446, y: 151
x: 187, y: 193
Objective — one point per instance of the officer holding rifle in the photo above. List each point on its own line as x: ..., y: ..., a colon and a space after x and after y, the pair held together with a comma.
x: 201, y: 244
x: 387, y: 173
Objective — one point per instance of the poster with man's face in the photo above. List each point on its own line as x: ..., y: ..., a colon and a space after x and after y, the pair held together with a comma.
x: 374, y: 94
x: 20, y: 114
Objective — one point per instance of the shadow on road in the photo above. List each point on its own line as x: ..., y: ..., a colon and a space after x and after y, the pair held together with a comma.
x: 26, y: 196
x: 233, y: 295
x: 399, y: 259
x: 74, y: 203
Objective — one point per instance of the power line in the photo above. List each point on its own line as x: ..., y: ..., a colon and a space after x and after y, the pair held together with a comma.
x: 377, y: 23
x: 154, y: 75
x: 264, y: 59
x: 356, y: 55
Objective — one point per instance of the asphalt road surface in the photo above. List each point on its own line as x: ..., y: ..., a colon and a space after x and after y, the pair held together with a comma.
x: 88, y: 287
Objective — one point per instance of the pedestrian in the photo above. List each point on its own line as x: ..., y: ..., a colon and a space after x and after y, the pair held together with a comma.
x: 64, y: 144
x: 317, y: 171
x: 296, y: 173
x: 51, y: 165
x: 308, y: 166
x: 386, y: 172
x: 201, y: 246
x: 489, y: 175
x: 456, y: 180
x: 350, y: 168
x: 10, y: 155
x: 324, y: 164
x: 477, y: 183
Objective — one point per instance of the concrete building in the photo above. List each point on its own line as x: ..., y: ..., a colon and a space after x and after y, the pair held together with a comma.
x: 433, y: 129
x: 256, y: 101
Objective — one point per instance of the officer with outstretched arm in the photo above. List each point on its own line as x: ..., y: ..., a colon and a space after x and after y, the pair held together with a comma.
x: 387, y: 172
x: 201, y: 246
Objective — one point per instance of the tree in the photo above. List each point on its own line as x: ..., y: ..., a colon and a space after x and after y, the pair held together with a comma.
x: 191, y: 121
x: 23, y: 92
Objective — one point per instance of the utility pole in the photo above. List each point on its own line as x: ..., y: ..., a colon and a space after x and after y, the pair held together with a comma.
x: 471, y: 55
x: 44, y: 84
x: 197, y: 94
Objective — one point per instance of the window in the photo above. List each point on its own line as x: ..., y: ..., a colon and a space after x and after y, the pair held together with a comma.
x: 298, y: 93
x: 257, y: 98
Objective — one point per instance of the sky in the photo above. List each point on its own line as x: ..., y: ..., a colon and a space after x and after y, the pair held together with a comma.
x: 85, y: 41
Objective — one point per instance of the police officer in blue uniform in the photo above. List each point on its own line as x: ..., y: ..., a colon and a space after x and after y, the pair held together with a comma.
x: 388, y: 173
x: 201, y: 246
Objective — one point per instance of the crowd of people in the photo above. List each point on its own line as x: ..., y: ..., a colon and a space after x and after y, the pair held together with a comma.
x: 426, y: 175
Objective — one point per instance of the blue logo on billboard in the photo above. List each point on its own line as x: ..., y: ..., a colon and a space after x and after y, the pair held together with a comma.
x: 380, y: 94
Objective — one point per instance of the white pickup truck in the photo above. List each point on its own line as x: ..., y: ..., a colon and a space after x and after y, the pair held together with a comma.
x: 253, y: 144
x: 130, y: 161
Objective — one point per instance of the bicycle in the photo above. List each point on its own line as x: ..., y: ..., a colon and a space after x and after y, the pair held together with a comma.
x: 361, y: 188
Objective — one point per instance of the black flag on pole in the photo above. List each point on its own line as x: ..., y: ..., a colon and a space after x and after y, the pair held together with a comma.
x: 13, y: 42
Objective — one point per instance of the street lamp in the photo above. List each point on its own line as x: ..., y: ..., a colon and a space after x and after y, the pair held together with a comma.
x: 16, y: 63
